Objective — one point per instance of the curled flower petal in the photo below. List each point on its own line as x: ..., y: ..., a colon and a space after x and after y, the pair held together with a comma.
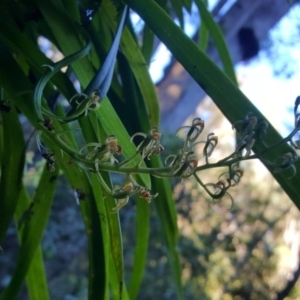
x: 145, y: 194
x: 211, y: 143
x: 296, y: 114
x: 103, y: 153
x: 151, y: 143
x: 261, y: 128
x: 234, y: 176
x: 122, y: 193
x: 248, y: 125
x: 220, y: 190
x: 246, y: 144
x: 194, y: 130
x: 120, y: 203
x: 186, y: 167
x: 285, y: 162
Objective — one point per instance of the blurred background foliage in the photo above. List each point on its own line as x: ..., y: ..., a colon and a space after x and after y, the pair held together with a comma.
x: 248, y: 252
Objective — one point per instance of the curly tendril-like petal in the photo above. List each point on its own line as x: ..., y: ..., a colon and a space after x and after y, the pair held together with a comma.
x: 261, y: 128
x: 220, y: 190
x: 285, y: 162
x: 186, y: 167
x: 145, y: 194
x: 103, y: 153
x: 234, y: 175
x: 210, y: 145
x: 247, y: 125
x: 122, y: 193
x: 151, y: 143
x: 246, y: 144
x: 194, y: 130
x: 296, y: 114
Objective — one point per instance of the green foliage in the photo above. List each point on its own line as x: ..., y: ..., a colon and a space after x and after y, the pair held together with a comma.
x: 29, y: 81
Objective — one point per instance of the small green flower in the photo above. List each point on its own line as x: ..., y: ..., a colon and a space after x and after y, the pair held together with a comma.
x: 183, y: 165
x: 145, y: 194
x: 151, y: 143
x: 210, y: 145
x: 103, y: 153
x: 90, y: 102
x: 219, y: 191
x: 130, y: 188
x: 247, y: 125
x: 285, y: 162
x: 234, y: 175
x: 122, y: 194
x: 247, y: 144
x: 194, y: 130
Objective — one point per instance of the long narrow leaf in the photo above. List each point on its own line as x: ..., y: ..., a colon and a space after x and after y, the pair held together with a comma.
x: 216, y: 34
x: 12, y: 166
x: 33, y: 231
x: 36, y: 276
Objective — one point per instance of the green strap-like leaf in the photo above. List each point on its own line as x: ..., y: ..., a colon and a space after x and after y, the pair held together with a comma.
x: 166, y: 210
x: 178, y: 8
x: 115, y: 246
x: 33, y: 231
x: 141, y: 247
x: 203, y: 34
x: 36, y: 276
x: 216, y: 34
x: 12, y: 166
x: 104, y: 251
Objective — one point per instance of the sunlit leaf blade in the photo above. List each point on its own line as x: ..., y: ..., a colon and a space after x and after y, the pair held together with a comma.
x: 140, y: 251
x: 36, y: 276
x: 12, y: 166
x: 230, y: 100
x: 114, y: 245
x: 104, y: 223
x: 148, y: 43
x: 33, y: 231
x: 216, y: 34
x: 203, y: 34
x: 165, y: 207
